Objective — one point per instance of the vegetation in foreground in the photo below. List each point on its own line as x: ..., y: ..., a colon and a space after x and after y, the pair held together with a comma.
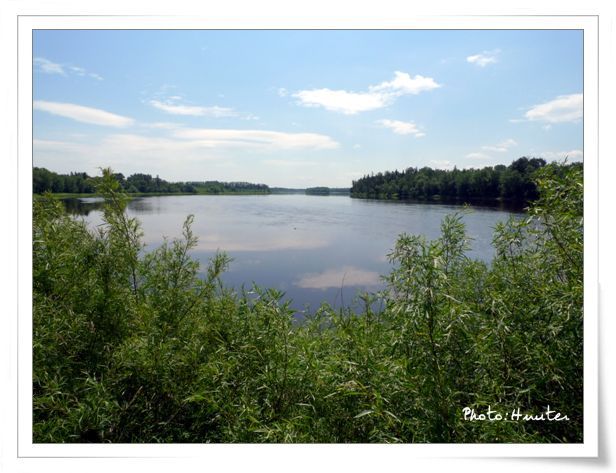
x: 134, y: 347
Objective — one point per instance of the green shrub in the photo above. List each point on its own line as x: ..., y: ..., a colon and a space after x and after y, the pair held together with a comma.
x: 131, y: 346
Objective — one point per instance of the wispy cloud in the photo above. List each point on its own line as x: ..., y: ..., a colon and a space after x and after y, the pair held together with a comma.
x: 572, y: 155
x: 81, y: 72
x: 46, y: 66
x: 83, y: 114
x: 134, y: 152
x: 377, y: 96
x: 175, y: 105
x: 401, y: 128
x: 562, y: 109
x: 288, y: 163
x: 128, y: 152
x: 477, y: 156
x: 170, y: 106
x: 58, y: 146
x: 161, y: 125
x: 213, y: 157
x: 256, y: 139
x: 484, y: 58
x: 501, y: 147
x: 441, y: 164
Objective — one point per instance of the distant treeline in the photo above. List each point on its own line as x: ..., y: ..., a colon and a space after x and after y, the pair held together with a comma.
x: 287, y: 190
x: 320, y: 190
x: 512, y: 183
x: 327, y: 191
x: 79, y: 182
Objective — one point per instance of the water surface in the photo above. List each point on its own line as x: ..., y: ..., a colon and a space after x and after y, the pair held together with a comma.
x: 314, y: 248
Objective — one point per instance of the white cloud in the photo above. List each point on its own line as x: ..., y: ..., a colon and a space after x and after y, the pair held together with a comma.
x: 288, y: 162
x: 404, y: 84
x: 564, y: 108
x: 58, y: 146
x: 501, y: 147
x: 441, y: 164
x: 477, y: 156
x: 80, y: 71
x: 177, y: 159
x: 572, y: 155
x: 401, y: 128
x: 256, y: 139
x: 133, y: 143
x: 339, y: 277
x: 66, y: 156
x: 135, y: 152
x: 341, y: 101
x: 377, y: 96
x: 83, y: 114
x: 484, y: 58
x: 162, y: 125
x: 128, y: 153
x: 282, y: 92
x: 194, y: 110
x: 48, y: 67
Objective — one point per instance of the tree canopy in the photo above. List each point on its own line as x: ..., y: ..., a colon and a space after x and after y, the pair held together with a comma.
x: 49, y: 181
x: 513, y: 183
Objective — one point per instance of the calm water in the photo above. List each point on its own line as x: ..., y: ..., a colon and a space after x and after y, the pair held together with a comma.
x: 313, y: 248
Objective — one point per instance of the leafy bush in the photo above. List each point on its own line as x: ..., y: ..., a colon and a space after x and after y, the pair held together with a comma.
x: 138, y: 347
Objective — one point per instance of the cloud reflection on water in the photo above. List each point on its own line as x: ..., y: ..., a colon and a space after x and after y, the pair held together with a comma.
x: 236, y: 243
x: 339, y: 277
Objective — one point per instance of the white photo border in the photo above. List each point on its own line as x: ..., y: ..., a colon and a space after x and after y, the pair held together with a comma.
x: 27, y: 449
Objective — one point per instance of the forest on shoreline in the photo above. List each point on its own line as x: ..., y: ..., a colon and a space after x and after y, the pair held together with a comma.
x: 133, y: 345
x: 44, y: 180
x: 513, y: 183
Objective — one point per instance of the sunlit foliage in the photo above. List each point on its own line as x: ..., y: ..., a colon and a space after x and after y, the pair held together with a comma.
x: 132, y: 346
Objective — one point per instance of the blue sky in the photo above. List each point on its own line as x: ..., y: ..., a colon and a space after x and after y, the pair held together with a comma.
x: 303, y: 108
